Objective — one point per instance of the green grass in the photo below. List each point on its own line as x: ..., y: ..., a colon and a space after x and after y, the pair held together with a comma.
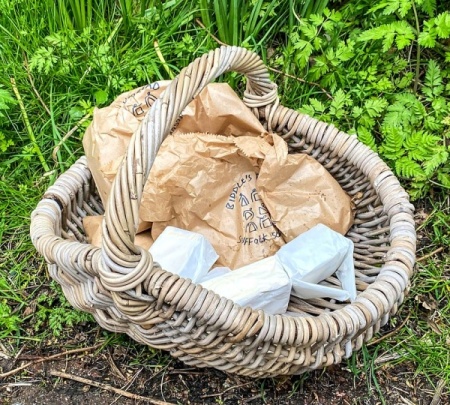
x: 68, y: 57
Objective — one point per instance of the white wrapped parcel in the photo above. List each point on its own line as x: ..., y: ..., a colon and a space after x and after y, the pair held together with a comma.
x: 260, y: 285
x: 186, y: 253
x: 314, y: 256
x: 297, y: 268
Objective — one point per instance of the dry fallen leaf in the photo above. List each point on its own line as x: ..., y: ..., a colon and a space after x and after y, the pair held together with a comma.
x: 428, y: 302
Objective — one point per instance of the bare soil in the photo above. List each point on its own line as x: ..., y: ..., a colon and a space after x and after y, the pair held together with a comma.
x: 175, y: 383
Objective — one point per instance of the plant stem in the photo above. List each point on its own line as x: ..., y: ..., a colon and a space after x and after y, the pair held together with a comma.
x: 163, y: 61
x: 416, y: 79
x: 108, y: 41
x: 28, y: 125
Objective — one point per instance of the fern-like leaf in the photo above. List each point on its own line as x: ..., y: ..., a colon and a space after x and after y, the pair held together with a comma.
x: 433, y: 80
x: 428, y: 6
x: 400, y: 6
x: 442, y: 22
x: 408, y: 168
x: 6, y: 100
x: 393, y: 142
x: 366, y: 137
x: 375, y: 106
x: 399, y: 31
x: 444, y: 179
x: 438, y: 158
x: 43, y: 60
x: 405, y: 112
x: 421, y: 139
x: 418, y: 189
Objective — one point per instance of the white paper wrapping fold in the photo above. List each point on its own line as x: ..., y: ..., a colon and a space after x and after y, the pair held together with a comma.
x: 314, y: 256
x: 185, y: 253
x: 215, y: 272
x: 260, y: 285
x: 267, y: 284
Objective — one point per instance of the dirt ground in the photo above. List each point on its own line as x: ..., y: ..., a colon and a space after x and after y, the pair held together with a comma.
x: 174, y: 383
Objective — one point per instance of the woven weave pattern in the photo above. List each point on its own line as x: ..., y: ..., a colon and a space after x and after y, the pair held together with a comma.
x: 127, y: 292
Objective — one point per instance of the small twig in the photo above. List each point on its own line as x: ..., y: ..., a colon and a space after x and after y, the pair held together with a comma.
x: 210, y: 33
x: 438, y: 250
x: 17, y: 384
x: 219, y: 394
x: 393, y: 332
x: 437, y: 394
x: 28, y: 125
x: 302, y: 81
x: 133, y: 379
x: 161, y: 58
x: 68, y: 135
x: 107, y: 388
x: 185, y: 372
x: 406, y: 401
x: 16, y: 357
x: 31, y: 80
x: 24, y: 357
x: 384, y: 359
x: 246, y: 401
x: 114, y: 367
x: 268, y: 67
x: 54, y: 356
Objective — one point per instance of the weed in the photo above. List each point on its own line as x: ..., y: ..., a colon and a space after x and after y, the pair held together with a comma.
x: 54, y: 313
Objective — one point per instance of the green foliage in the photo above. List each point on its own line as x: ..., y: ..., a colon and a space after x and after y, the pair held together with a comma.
x: 6, y: 101
x: 55, y: 313
x: 398, y: 32
x: 241, y: 22
x: 361, y: 56
x: 434, y: 29
x: 9, y: 323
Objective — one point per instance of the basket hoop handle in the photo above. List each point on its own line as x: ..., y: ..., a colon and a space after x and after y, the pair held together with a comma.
x: 124, y: 265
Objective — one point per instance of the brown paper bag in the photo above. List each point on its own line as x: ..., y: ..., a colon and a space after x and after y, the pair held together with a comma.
x: 300, y: 193
x: 208, y: 183
x: 217, y: 110
x: 93, y: 228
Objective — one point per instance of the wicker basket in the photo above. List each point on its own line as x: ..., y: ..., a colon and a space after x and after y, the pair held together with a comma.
x: 127, y: 292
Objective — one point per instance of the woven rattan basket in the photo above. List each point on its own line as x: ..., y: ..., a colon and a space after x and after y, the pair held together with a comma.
x: 127, y: 292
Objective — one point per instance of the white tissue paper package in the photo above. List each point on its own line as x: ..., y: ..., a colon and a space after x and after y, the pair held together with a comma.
x: 314, y: 256
x: 267, y: 284
x: 215, y: 272
x: 188, y: 254
x: 260, y: 285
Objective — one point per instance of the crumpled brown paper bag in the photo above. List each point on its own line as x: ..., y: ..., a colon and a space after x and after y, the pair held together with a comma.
x: 196, y: 179
x: 208, y: 184
x: 93, y: 228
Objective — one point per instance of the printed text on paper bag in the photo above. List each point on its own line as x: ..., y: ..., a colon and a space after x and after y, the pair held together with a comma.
x: 258, y: 227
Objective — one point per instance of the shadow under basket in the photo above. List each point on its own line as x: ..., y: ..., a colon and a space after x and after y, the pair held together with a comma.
x: 126, y: 292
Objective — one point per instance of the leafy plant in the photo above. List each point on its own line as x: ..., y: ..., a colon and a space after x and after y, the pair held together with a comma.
x: 400, y: 112
x: 240, y: 22
x: 6, y: 101
x: 9, y: 323
x: 55, y: 312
